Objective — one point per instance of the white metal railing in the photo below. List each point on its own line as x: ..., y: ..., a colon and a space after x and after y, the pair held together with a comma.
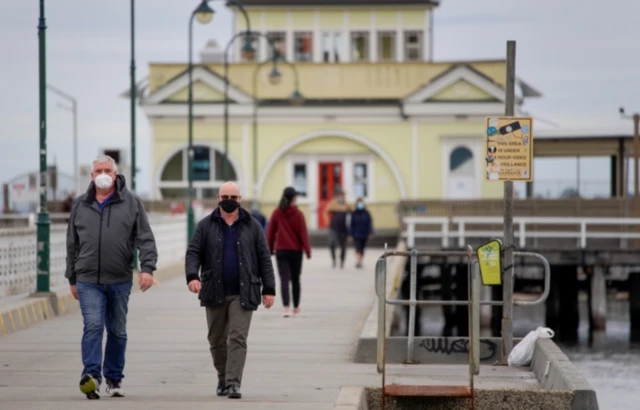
x: 463, y: 223
x: 29, y: 220
x: 18, y: 252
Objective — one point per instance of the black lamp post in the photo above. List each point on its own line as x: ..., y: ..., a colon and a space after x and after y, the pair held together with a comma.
x: 204, y: 14
x: 44, y: 222
x: 296, y: 98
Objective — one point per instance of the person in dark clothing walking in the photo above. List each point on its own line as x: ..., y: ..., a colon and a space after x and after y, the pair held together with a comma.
x: 230, y: 247
x: 287, y: 237
x: 361, y: 229
x: 255, y: 212
x: 105, y: 225
x: 338, y: 209
x: 67, y: 204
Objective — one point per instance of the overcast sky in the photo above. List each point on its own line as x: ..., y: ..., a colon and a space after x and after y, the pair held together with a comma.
x: 579, y: 53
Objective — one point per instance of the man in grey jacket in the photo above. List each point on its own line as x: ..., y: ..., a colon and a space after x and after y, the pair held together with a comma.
x: 237, y: 275
x: 106, y: 224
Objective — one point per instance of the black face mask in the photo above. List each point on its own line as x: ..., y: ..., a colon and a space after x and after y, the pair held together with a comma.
x: 229, y: 205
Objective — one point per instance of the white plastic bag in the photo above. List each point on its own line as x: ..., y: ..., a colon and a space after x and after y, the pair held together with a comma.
x: 523, y: 352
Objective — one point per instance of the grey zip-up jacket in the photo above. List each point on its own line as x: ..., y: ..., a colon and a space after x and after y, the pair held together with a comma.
x: 100, y: 245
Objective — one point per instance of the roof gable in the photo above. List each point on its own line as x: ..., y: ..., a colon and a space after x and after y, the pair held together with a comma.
x: 460, y: 83
x: 202, y: 92
x: 208, y: 86
x: 462, y: 90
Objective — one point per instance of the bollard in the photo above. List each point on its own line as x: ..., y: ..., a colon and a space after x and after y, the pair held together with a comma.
x: 496, y: 312
x: 552, y: 311
x: 569, y: 319
x: 462, y: 293
x: 446, y: 286
x: 634, y: 307
x: 598, y: 299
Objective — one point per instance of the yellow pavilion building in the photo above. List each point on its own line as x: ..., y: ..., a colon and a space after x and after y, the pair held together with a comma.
x: 380, y: 119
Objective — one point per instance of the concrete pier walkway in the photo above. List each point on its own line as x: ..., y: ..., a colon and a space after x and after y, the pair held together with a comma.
x: 294, y: 363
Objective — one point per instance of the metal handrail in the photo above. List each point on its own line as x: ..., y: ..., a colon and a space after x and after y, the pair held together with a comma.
x: 582, y: 234
x: 473, y: 303
x: 405, y: 302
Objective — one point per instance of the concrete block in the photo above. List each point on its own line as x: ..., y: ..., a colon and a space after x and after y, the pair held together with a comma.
x: 554, y: 371
x: 24, y: 313
x: 351, y: 398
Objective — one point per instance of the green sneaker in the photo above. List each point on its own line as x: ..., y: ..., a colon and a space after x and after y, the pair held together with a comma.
x: 90, y: 387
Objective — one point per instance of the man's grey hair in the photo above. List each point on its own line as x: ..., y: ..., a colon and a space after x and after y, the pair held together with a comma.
x: 105, y: 158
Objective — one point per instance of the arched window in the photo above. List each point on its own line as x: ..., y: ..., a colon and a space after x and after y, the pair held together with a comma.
x: 207, y: 171
x: 461, y: 162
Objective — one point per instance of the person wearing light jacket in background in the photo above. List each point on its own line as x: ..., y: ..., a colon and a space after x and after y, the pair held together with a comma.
x: 106, y: 224
x: 287, y: 237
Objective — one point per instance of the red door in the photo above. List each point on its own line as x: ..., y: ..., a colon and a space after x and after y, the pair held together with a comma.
x: 330, y: 181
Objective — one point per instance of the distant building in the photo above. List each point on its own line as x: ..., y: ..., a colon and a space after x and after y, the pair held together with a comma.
x: 380, y: 118
x: 22, y: 193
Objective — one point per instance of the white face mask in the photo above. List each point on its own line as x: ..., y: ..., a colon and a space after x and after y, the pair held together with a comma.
x: 103, y: 181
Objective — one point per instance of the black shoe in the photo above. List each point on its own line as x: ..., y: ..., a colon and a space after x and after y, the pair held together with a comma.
x: 234, y: 392
x: 222, y: 389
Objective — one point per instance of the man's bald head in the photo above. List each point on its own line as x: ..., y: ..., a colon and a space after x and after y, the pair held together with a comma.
x: 229, y: 188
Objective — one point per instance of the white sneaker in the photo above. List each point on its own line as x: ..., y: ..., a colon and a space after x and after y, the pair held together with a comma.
x: 114, y: 388
x: 287, y: 312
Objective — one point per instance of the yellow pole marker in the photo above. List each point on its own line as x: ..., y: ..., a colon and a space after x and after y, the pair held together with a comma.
x: 26, y: 315
x: 33, y: 310
x: 61, y: 305
x: 2, y: 326
x: 13, y: 324
x: 20, y: 318
x: 46, y: 309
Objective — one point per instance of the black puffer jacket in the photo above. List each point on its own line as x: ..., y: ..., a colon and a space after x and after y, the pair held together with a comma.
x: 254, y: 260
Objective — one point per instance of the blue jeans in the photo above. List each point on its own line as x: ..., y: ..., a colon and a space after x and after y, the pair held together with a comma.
x: 104, y: 305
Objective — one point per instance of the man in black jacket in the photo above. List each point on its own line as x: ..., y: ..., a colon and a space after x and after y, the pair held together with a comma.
x: 230, y: 247
x: 106, y: 224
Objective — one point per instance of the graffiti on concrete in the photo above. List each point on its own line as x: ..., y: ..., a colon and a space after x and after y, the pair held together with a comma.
x: 448, y: 346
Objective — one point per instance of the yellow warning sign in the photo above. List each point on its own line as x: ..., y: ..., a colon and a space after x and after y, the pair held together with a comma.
x: 509, y: 154
x: 490, y: 262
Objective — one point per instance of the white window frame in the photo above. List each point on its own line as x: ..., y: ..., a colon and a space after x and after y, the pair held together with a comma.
x: 448, y: 144
x: 419, y: 47
x: 197, y: 185
x: 367, y: 35
x: 313, y: 160
x: 283, y: 33
x: 333, y: 46
x: 313, y: 45
x: 394, y: 44
x: 348, y: 162
x: 307, y: 172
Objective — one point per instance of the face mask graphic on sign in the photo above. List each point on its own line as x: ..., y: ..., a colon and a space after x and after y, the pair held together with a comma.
x: 513, y: 128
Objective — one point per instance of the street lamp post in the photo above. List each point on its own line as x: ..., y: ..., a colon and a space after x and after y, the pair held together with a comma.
x: 43, y: 223
x: 204, y: 14
x: 248, y: 52
x: 133, y: 93
x: 296, y: 99
x: 74, y: 113
x: 636, y: 179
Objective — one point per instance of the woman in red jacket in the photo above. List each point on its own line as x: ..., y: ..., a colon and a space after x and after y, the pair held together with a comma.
x: 287, y: 238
